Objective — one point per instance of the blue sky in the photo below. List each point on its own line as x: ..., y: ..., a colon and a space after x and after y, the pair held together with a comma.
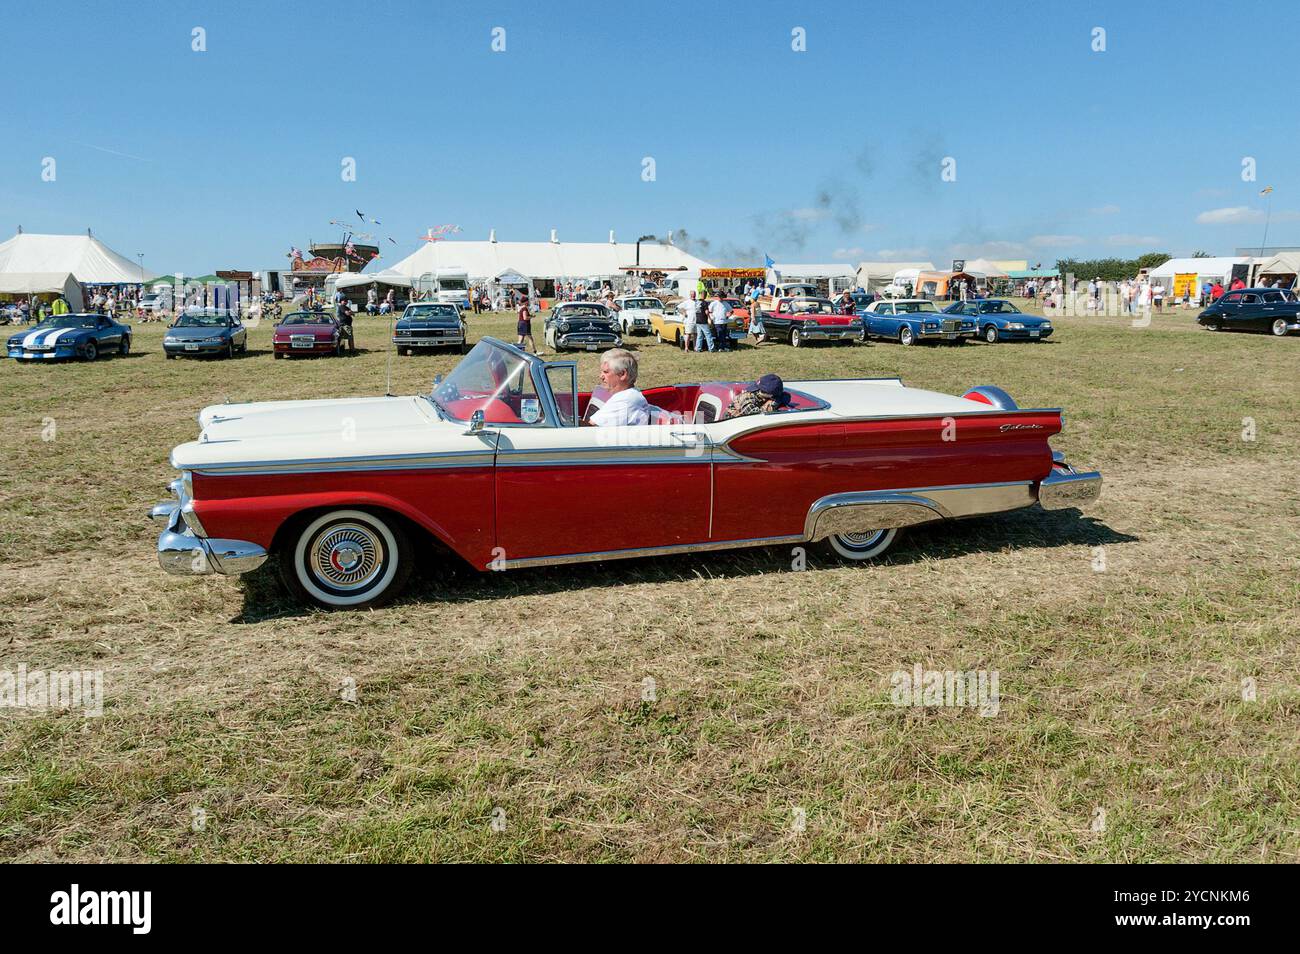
x: 226, y: 158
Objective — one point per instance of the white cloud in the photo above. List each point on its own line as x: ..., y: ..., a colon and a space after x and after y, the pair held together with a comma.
x: 1129, y: 239
x: 1105, y: 209
x: 997, y: 249
x: 915, y: 253
x: 847, y: 253
x: 1054, y: 241
x: 808, y: 214
x: 1236, y: 215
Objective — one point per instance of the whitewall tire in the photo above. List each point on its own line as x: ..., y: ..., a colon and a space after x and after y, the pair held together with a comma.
x: 863, y: 546
x: 346, y: 559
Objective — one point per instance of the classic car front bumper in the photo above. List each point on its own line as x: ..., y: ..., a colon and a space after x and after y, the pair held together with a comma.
x: 585, y: 339
x: 832, y: 332
x: 440, y: 340
x: 185, y: 552
x: 206, y: 346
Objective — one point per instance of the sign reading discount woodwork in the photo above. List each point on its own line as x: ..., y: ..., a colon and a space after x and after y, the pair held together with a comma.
x: 707, y: 273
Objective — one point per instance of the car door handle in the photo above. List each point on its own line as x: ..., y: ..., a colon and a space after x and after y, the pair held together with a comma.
x: 690, y: 438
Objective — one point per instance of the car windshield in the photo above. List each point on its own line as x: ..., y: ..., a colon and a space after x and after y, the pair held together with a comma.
x: 915, y: 307
x: 812, y: 307
x: 642, y: 303
x: 69, y: 321
x: 305, y: 318
x: 200, y: 319
x: 583, y: 311
x: 430, y: 311
x: 494, y: 379
x: 998, y: 308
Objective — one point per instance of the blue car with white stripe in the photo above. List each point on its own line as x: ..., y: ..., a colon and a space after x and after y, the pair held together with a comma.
x: 83, y: 336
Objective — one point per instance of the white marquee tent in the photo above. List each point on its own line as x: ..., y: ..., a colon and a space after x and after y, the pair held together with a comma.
x: 85, y: 257
x: 565, y: 261
x: 1206, y: 269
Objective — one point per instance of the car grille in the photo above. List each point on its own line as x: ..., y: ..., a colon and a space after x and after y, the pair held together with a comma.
x: 302, y: 341
x: 428, y: 332
x: 951, y: 324
x: 596, y: 326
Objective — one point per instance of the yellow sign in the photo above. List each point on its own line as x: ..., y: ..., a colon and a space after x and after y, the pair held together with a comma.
x: 1184, y: 284
x: 709, y: 273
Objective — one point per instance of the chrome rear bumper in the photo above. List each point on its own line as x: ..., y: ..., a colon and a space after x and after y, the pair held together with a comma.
x: 1066, y: 487
x: 183, y: 553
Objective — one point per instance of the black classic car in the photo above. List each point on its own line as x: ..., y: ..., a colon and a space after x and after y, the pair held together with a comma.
x: 582, y: 324
x: 1254, y: 309
x: 208, y: 331
x: 430, y: 325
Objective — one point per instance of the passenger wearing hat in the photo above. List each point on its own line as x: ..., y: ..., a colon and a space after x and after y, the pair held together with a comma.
x: 765, y: 396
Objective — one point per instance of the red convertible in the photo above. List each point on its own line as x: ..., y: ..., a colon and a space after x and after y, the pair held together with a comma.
x: 308, y: 332
x: 491, y: 466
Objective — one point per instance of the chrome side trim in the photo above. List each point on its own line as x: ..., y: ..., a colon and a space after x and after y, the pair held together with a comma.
x: 602, y: 456
x: 646, y: 551
x: 451, y: 459
x: 885, y: 509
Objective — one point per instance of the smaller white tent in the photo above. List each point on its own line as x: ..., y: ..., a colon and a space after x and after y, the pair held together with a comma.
x: 352, y: 279
x: 983, y: 268
x: 43, y: 283
x: 873, y: 276
x: 1283, y: 267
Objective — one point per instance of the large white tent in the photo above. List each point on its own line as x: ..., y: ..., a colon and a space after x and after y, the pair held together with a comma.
x: 983, y: 268
x: 386, y: 277
x: 24, y: 284
x: 1206, y: 269
x: 539, y: 261
x: 85, y: 257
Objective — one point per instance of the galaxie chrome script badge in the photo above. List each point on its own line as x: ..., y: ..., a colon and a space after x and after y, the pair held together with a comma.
x: 530, y: 410
x: 1021, y: 427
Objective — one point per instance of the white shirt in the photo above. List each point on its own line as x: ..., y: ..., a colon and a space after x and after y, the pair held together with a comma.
x: 627, y: 407
x: 689, y: 309
x: 717, y: 312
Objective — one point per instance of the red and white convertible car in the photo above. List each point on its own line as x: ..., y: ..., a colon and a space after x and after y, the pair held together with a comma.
x: 493, y: 466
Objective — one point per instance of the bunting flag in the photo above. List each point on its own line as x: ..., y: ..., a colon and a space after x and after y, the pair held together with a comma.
x: 1266, y: 190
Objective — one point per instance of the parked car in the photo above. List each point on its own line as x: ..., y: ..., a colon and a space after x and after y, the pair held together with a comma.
x: 910, y: 320
x: 84, y: 336
x: 1254, y: 309
x: 999, y: 320
x: 862, y: 300
x: 307, y: 332
x: 492, y: 467
x: 804, y: 320
x: 635, y: 313
x: 205, y: 331
x: 430, y: 325
x: 581, y: 324
x: 155, y: 302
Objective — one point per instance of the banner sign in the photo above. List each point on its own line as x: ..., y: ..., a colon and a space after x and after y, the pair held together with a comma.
x: 758, y: 273
x: 1185, y: 284
x: 319, y: 264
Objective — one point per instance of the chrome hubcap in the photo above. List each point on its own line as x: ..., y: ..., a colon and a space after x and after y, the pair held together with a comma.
x: 862, y: 540
x: 347, y: 556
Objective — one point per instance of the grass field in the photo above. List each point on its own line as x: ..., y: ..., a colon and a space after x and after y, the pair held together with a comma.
x: 501, y: 716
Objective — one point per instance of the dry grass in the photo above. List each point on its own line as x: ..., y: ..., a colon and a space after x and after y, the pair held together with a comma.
x: 1120, y: 689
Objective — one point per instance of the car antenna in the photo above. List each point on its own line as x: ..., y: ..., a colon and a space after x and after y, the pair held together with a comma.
x: 388, y: 385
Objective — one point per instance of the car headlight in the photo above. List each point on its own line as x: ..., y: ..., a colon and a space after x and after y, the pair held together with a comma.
x: 1045, y: 325
x: 932, y: 324
x: 1016, y: 325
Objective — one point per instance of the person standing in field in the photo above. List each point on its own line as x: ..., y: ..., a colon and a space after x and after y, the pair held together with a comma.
x: 524, y: 325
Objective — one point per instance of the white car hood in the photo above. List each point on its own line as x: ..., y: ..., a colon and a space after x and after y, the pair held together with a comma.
x: 350, y: 428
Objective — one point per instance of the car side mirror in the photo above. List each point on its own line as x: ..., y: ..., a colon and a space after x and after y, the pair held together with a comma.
x: 476, y: 423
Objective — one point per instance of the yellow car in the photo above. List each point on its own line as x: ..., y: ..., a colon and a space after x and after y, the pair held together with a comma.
x: 669, y: 326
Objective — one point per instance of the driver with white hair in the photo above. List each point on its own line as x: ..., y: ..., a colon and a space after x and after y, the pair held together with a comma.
x: 625, y: 404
